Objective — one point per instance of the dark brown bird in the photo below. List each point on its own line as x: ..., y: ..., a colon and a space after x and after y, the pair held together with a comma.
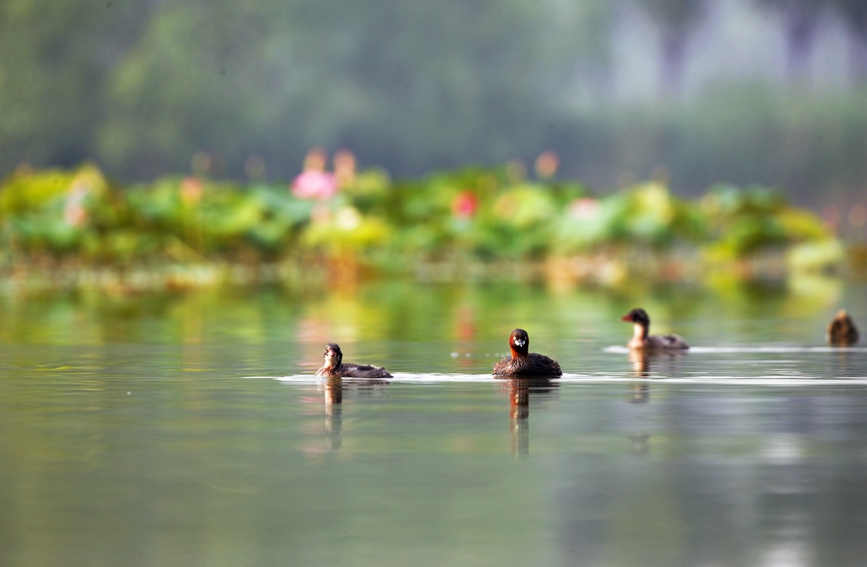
x: 335, y: 367
x: 525, y: 363
x: 842, y: 330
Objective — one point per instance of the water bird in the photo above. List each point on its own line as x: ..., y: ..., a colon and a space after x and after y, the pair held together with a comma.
x: 334, y: 366
x: 642, y: 340
x: 525, y: 363
x: 842, y: 330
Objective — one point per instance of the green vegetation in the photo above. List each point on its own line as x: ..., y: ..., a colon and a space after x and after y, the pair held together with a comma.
x: 457, y: 222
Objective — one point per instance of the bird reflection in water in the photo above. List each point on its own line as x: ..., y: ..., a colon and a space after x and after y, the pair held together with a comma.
x: 639, y: 391
x: 847, y: 364
x: 334, y: 389
x: 640, y: 360
x: 519, y: 390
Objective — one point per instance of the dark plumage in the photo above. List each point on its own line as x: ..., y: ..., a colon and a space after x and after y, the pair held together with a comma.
x: 524, y: 363
x: 842, y: 330
x: 642, y: 340
x: 335, y: 367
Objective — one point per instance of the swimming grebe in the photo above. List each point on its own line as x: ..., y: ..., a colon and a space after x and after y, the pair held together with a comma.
x: 641, y: 340
x: 842, y: 330
x: 334, y: 366
x: 523, y: 363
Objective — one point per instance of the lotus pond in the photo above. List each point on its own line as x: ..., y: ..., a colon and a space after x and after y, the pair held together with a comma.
x: 187, y: 429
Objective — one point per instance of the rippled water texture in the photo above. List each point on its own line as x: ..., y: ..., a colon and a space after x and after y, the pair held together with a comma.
x: 188, y: 430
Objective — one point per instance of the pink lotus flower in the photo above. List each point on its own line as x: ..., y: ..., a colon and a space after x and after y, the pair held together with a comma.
x: 464, y: 205
x: 584, y: 209
x: 74, y: 212
x: 546, y: 164
x: 314, y: 184
x: 191, y: 190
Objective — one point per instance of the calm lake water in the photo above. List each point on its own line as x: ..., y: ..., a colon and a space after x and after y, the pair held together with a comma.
x: 187, y: 429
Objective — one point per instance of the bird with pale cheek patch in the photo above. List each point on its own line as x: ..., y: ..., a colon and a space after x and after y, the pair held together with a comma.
x: 334, y: 366
x: 525, y: 363
x: 641, y: 340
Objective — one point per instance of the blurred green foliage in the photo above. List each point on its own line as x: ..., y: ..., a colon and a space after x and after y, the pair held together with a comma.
x: 468, y: 215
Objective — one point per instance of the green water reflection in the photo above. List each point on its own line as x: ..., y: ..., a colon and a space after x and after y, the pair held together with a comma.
x: 151, y: 430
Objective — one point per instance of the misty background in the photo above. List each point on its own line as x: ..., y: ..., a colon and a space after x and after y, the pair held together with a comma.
x: 770, y: 92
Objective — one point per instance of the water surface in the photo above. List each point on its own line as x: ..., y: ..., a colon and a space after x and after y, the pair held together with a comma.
x: 187, y: 429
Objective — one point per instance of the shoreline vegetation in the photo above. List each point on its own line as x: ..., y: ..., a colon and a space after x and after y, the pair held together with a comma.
x: 68, y: 230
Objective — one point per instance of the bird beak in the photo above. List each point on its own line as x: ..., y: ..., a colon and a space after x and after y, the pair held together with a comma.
x: 626, y: 318
x: 519, y: 342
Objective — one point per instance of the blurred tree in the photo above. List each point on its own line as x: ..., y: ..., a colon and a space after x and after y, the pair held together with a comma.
x: 394, y: 80
x: 54, y: 57
x: 675, y: 20
x: 586, y: 29
x: 854, y: 13
x: 457, y: 66
x: 190, y: 84
x: 800, y: 20
x: 143, y: 86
